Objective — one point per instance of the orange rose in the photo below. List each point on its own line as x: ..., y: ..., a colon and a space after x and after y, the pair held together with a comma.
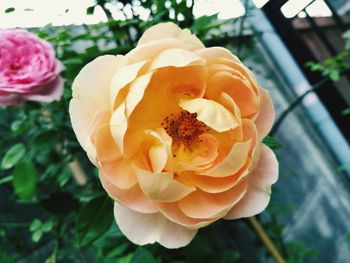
x: 176, y: 132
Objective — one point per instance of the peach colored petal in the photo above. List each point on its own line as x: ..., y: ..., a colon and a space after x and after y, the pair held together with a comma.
x: 94, y: 79
x: 233, y: 162
x: 160, y: 151
x: 227, y: 101
x: 216, y: 52
x: 266, y: 115
x: 199, y: 204
x: 106, y: 149
x: 120, y: 173
x: 213, y: 114
x: 118, y: 126
x: 174, y: 213
x: 144, y: 229
x: 170, y: 30
x: 161, y: 186
x: 175, y: 57
x: 122, y: 77
x: 259, y: 187
x: 132, y: 198
x: 218, y: 184
x: 204, y: 156
x: 136, y: 92
x: 237, y: 88
x: 101, y: 117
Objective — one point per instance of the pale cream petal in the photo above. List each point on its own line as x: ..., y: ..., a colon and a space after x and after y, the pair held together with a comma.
x: 175, y: 57
x: 233, y: 162
x: 213, y: 114
x: 199, y: 204
x: 122, y: 77
x: 160, y: 151
x: 106, y: 149
x: 266, y: 115
x: 143, y: 229
x: 120, y: 173
x: 136, y: 92
x: 118, y: 126
x: 216, y: 52
x: 133, y: 198
x: 259, y: 187
x: 91, y: 93
x: 161, y: 187
x: 170, y: 30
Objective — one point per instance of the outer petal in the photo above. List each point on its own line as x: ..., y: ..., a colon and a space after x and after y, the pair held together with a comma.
x: 213, y: 114
x: 175, y: 57
x: 259, y: 187
x: 144, y: 229
x: 199, y: 204
x: 266, y: 115
x: 161, y: 186
x: 132, y: 198
x: 233, y: 162
x: 50, y: 92
x: 170, y: 30
x: 93, y: 79
x: 216, y: 52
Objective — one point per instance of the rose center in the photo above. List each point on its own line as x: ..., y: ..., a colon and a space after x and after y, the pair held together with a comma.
x: 184, y: 128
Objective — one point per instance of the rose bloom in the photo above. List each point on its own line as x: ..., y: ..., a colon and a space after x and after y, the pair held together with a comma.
x: 28, y: 68
x: 176, y: 132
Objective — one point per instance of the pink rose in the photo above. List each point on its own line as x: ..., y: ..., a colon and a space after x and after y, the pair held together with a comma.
x: 28, y: 68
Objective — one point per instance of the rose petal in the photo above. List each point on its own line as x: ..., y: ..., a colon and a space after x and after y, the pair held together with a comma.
x: 170, y: 30
x: 50, y: 92
x: 133, y: 198
x: 199, y: 204
x: 233, y: 162
x: 213, y: 114
x: 144, y: 229
x: 94, y: 78
x: 121, y: 78
x: 259, y: 187
x: 266, y: 115
x: 175, y: 57
x: 216, y: 52
x: 119, y: 125
x: 161, y: 187
x: 106, y: 149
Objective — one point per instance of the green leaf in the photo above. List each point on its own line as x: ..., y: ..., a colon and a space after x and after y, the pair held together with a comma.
x: 90, y: 10
x: 45, y: 139
x: 118, y: 251
x: 2, y: 232
x: 10, y: 10
x: 94, y: 220
x: 36, y: 224
x: 142, y: 255
x: 126, y: 259
x: 6, y: 179
x: 346, y: 112
x: 47, y: 227
x: 5, y: 258
x: 25, y: 178
x: 347, y: 238
x: 272, y: 143
x: 13, y: 156
x: 36, y: 236
x: 334, y: 75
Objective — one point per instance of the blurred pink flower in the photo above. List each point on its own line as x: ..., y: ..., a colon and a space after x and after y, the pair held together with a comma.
x: 28, y: 68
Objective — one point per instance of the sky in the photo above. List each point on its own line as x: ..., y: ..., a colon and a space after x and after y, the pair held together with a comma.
x: 38, y: 13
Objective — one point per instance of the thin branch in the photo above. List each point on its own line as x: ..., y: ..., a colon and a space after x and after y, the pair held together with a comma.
x: 266, y: 240
x: 295, y: 103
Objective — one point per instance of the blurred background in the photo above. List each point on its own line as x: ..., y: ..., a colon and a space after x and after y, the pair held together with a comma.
x: 299, y: 51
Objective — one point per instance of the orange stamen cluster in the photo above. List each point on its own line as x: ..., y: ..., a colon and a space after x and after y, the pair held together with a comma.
x: 184, y: 127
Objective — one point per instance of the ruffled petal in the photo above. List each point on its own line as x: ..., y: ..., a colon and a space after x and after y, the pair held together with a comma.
x: 266, y: 115
x: 199, y: 204
x: 161, y: 187
x: 133, y: 198
x: 94, y: 79
x: 170, y: 30
x: 259, y: 187
x: 144, y: 229
x: 213, y: 114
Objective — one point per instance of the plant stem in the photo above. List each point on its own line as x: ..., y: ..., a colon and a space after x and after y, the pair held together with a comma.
x: 295, y: 103
x: 266, y: 240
